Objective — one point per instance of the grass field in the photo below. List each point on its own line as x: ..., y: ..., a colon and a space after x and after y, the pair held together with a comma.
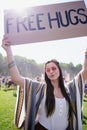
x: 7, y: 107
x: 85, y: 114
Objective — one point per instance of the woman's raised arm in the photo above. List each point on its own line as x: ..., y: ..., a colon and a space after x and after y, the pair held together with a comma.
x: 84, y: 70
x: 15, y: 75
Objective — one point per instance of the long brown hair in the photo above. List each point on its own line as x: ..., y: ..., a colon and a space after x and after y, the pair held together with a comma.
x: 50, y: 99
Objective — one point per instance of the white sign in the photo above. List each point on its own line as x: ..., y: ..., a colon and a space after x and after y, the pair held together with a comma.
x: 45, y: 23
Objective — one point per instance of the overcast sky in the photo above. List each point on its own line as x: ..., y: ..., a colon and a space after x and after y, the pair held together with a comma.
x: 69, y: 50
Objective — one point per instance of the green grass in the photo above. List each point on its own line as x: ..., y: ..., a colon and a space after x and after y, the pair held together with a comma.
x: 7, y: 107
x: 85, y: 114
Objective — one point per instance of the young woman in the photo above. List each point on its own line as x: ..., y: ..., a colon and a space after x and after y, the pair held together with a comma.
x: 60, y: 107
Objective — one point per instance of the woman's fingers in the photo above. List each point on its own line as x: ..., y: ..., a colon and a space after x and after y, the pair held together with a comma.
x: 6, y: 41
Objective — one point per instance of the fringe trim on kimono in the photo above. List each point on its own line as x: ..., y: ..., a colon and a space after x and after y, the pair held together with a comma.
x: 76, y: 95
x: 27, y: 104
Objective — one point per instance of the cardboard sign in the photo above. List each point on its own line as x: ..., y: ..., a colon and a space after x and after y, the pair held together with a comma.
x: 47, y: 22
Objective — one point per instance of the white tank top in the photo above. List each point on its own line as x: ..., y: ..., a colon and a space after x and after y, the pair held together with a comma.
x: 59, y: 119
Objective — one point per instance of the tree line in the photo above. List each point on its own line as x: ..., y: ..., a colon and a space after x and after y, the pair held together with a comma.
x: 30, y: 68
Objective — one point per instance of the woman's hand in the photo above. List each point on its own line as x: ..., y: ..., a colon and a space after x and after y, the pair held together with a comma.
x: 6, y: 43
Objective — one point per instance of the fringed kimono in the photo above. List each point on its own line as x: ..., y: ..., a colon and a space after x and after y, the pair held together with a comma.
x: 30, y: 96
x: 27, y: 104
x: 76, y: 92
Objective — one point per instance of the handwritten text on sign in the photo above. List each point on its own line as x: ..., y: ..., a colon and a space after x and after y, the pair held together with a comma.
x: 45, y: 23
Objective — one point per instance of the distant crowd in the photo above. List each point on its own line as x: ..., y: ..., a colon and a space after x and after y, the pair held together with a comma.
x: 6, y: 82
